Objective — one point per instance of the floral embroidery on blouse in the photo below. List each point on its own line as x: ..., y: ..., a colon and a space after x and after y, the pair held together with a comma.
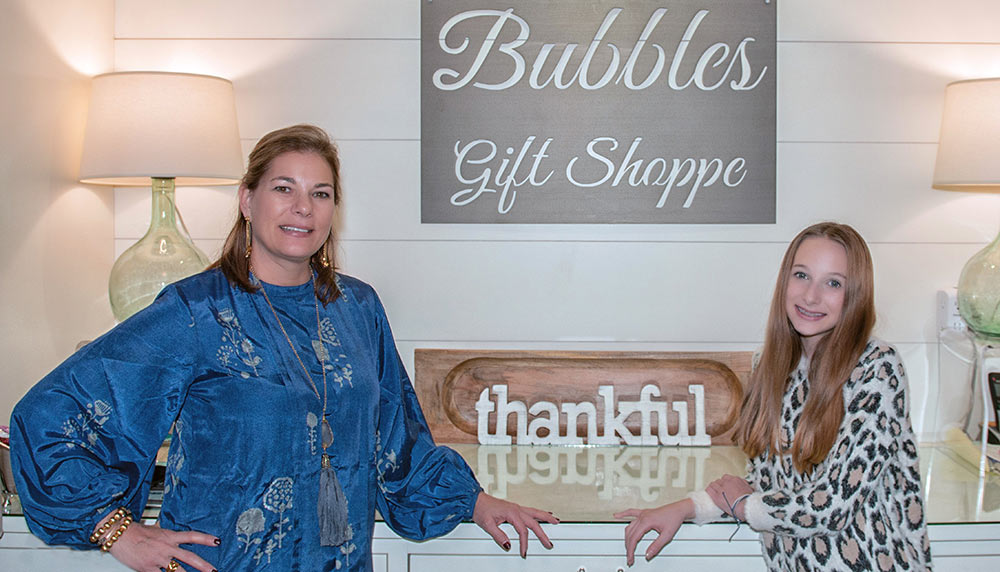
x: 385, y: 462
x: 337, y: 366
x: 253, y: 521
x: 347, y: 548
x: 85, y: 427
x: 248, y: 525
x: 311, y: 423
x: 237, y: 353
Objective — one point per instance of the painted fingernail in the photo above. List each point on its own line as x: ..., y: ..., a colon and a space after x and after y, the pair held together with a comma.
x: 506, y: 545
x: 217, y: 542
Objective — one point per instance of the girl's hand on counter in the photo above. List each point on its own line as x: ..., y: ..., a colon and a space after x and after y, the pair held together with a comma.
x: 149, y: 548
x: 665, y: 520
x: 491, y: 512
x: 727, y: 490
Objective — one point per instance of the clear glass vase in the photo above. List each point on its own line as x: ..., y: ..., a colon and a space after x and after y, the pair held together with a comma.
x: 163, y: 255
x: 979, y: 292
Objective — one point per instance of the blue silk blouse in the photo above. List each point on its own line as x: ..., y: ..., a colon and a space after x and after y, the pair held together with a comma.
x: 210, y: 360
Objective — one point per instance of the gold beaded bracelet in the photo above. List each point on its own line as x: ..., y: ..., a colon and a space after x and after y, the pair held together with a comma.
x: 106, y: 546
x: 122, y: 514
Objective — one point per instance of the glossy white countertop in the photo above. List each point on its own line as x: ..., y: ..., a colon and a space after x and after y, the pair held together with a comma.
x: 588, y: 484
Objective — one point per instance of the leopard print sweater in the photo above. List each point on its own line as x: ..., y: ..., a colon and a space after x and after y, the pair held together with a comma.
x: 862, y: 507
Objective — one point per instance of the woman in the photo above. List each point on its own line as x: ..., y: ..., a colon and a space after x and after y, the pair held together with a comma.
x: 292, y: 415
x: 833, y: 480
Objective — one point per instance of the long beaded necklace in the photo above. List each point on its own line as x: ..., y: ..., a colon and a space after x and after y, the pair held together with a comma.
x: 332, y: 506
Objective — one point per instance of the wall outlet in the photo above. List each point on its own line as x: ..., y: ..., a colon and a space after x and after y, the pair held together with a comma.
x: 947, y: 311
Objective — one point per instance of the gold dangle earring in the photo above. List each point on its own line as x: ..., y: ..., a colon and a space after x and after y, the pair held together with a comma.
x: 324, y: 257
x: 246, y: 228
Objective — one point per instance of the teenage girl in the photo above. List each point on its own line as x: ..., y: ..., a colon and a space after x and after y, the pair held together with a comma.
x: 833, y: 480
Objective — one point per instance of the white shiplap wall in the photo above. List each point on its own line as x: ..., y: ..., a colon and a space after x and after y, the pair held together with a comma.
x: 55, y: 234
x: 860, y: 88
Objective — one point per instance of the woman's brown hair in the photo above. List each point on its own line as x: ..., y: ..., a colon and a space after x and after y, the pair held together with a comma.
x: 298, y: 138
x: 833, y: 360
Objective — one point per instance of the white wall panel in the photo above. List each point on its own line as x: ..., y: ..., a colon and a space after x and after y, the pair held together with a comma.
x: 55, y: 234
x: 356, y: 89
x: 268, y: 19
x: 594, y: 291
x: 872, y: 92
x: 884, y: 190
x: 958, y: 21
x: 569, y: 291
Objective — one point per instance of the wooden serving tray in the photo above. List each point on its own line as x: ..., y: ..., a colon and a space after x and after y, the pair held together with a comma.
x: 449, y: 383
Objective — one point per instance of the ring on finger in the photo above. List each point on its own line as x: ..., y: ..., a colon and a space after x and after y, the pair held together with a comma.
x: 172, y: 566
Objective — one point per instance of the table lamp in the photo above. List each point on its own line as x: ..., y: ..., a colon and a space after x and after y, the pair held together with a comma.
x: 159, y: 129
x: 968, y: 159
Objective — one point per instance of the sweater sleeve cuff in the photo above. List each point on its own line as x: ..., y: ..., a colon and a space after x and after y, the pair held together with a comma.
x: 705, y: 510
x: 755, y: 513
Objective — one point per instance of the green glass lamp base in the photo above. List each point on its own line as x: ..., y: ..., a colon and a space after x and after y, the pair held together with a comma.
x: 160, y: 257
x: 979, y: 292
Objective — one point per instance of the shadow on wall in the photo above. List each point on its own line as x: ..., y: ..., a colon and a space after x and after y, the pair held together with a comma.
x: 57, y: 234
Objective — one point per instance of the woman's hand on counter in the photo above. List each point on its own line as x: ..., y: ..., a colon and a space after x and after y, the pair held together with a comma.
x: 665, y: 520
x: 149, y: 548
x: 491, y: 512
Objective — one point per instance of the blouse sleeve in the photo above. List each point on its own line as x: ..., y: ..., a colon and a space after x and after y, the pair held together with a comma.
x: 424, y: 490
x: 874, y: 427
x: 84, y: 438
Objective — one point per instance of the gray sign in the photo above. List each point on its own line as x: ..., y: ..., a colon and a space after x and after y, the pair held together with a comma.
x: 598, y: 112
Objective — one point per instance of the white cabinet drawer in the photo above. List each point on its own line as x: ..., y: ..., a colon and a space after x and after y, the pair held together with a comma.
x: 557, y: 563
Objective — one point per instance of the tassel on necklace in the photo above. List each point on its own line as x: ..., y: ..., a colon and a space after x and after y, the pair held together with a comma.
x: 333, y: 527
x: 332, y: 507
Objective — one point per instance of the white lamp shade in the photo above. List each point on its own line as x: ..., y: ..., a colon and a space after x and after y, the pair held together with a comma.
x: 968, y: 157
x: 157, y: 124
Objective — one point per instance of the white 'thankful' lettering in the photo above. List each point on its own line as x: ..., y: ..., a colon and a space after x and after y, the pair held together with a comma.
x: 546, y: 416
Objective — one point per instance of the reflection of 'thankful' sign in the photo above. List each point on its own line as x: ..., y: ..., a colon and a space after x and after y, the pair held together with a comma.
x: 576, y: 398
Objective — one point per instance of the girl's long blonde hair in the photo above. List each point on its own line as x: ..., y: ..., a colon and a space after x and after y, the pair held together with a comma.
x: 836, y: 354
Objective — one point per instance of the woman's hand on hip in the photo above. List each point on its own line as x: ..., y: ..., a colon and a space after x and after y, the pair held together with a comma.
x: 149, y: 548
